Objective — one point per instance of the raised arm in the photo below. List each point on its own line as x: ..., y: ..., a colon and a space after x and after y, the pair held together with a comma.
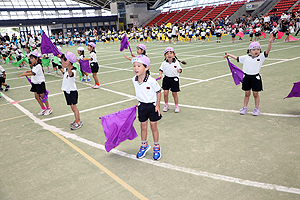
x: 231, y: 56
x: 271, y: 38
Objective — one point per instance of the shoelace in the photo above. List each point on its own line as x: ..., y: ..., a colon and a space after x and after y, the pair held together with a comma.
x: 156, y: 150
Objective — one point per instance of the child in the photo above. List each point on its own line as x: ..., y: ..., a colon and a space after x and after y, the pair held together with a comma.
x: 80, y: 51
x: 218, y: 33
x: 38, y: 81
x: 69, y: 87
x: 203, y: 35
x: 171, y: 69
x: 257, y: 33
x: 233, y: 32
x: 148, y: 94
x: 93, y: 64
x: 2, y: 80
x: 140, y: 49
x: 251, y: 32
x: 251, y: 66
x: 46, y: 62
x: 56, y: 63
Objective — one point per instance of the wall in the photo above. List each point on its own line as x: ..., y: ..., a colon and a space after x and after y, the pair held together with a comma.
x: 138, y: 14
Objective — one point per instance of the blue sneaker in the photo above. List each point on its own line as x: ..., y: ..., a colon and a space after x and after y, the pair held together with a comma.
x: 83, y: 80
x: 88, y: 80
x: 143, y: 151
x: 156, y: 153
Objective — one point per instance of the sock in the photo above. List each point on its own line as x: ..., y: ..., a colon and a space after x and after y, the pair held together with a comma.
x: 156, y: 144
x: 167, y: 103
x: 43, y: 107
x: 48, y: 108
x: 97, y: 84
x: 77, y: 121
x: 88, y: 77
x: 176, y: 105
x: 144, y: 143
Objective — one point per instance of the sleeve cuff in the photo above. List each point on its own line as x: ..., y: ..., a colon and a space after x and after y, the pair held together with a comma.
x: 265, y: 54
x: 238, y: 59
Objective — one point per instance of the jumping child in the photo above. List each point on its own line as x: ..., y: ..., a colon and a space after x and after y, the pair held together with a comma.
x: 251, y: 66
x: 171, y: 69
x: 38, y: 81
x: 148, y: 94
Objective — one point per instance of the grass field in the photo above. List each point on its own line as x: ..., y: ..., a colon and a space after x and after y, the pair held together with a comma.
x: 209, y: 151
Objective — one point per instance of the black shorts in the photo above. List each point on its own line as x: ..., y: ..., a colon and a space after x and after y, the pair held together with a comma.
x: 72, y: 98
x: 23, y: 46
x: 95, y: 67
x: 257, y: 34
x: 56, y: 65
x: 233, y: 35
x: 2, y: 80
x: 171, y: 83
x: 218, y: 34
x: 19, y: 58
x: 190, y: 36
x: 147, y: 111
x: 38, y: 88
x: 253, y: 82
x: 251, y: 34
x: 203, y: 37
x: 174, y: 36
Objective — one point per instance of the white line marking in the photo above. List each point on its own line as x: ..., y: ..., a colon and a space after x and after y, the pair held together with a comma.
x: 156, y: 163
x: 86, y: 110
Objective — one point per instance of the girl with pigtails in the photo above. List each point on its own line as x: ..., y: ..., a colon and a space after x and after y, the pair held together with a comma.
x: 170, y: 68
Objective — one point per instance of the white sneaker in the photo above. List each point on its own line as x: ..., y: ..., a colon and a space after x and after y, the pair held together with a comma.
x: 48, y: 112
x: 176, y: 109
x: 96, y: 87
x: 243, y: 111
x: 166, y: 108
x: 42, y: 112
x: 256, y: 112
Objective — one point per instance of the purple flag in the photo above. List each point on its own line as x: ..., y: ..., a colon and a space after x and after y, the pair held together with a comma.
x: 125, y: 44
x: 118, y: 127
x: 48, y: 47
x: 45, y: 98
x: 237, y: 73
x: 85, y: 66
x: 295, y: 91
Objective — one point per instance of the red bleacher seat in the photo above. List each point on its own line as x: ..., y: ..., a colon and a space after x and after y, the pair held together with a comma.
x: 282, y: 6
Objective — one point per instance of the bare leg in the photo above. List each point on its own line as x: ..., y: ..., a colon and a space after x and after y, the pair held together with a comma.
x: 95, y: 78
x: 246, y: 98
x: 144, y: 130
x: 256, y: 99
x: 154, y: 129
x: 76, y: 112
x: 175, y: 96
x: 166, y: 95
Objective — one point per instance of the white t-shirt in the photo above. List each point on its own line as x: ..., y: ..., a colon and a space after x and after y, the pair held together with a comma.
x: 38, y: 74
x: 146, y: 92
x: 170, y: 69
x: 93, y: 56
x: 174, y: 30
x: 252, y: 66
x: 1, y: 71
x: 68, y: 83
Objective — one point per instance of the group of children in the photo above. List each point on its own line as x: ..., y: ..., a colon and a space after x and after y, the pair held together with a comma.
x: 147, y: 89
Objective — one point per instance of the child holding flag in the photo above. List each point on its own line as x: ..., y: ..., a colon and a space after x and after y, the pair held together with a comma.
x: 148, y: 94
x: 85, y: 78
x: 38, y: 81
x: 140, y: 50
x: 252, y: 64
x: 69, y: 87
x: 93, y: 64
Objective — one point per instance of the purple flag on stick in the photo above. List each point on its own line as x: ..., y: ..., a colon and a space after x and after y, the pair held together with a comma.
x: 85, y: 66
x: 295, y: 91
x: 118, y: 127
x: 48, y: 47
x: 237, y: 73
x: 125, y: 44
x: 45, y: 98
